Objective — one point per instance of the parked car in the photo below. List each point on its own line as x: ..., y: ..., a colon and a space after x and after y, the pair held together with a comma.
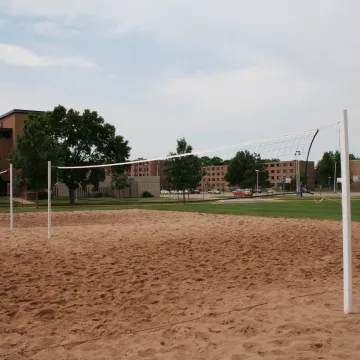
x: 165, y: 192
x: 258, y: 191
x: 242, y: 192
x: 195, y: 191
x: 214, y: 191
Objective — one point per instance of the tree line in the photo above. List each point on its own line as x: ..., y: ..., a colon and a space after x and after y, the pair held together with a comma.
x: 67, y: 137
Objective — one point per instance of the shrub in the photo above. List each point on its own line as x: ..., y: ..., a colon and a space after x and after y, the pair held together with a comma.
x: 147, y: 194
x: 97, y: 194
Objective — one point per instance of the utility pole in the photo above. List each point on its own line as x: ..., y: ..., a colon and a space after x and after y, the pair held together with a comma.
x: 335, y: 178
x: 297, y: 155
x: 257, y: 182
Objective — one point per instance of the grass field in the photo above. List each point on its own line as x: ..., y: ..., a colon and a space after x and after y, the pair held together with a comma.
x: 291, y: 208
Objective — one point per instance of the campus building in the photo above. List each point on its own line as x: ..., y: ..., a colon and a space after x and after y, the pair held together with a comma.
x: 214, y: 178
x: 355, y: 175
x: 11, y: 125
x: 148, y: 168
x: 282, y: 172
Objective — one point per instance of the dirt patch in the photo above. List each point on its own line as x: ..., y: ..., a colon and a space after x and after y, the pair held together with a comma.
x: 166, y: 285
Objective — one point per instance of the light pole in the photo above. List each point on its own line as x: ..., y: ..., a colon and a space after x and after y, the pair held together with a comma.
x: 329, y: 183
x: 257, y: 182
x: 297, y: 155
x: 335, y: 178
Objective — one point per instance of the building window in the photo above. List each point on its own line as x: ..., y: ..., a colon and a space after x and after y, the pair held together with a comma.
x: 291, y: 170
x: 291, y: 164
x: 272, y: 171
x: 272, y: 178
x: 285, y: 164
x: 278, y: 165
x: 272, y: 165
x: 278, y: 171
x: 284, y: 171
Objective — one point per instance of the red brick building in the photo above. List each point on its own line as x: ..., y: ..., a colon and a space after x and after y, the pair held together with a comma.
x: 355, y: 174
x: 214, y: 178
x: 11, y: 125
x: 148, y: 168
x: 281, y: 172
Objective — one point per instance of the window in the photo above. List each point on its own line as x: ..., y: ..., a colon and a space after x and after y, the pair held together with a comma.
x: 272, y: 171
x: 272, y: 165
x: 285, y: 171
x: 291, y: 164
x: 285, y: 164
x: 279, y: 177
x: 278, y: 171
x: 222, y: 173
x: 272, y: 178
x: 212, y: 168
x: 218, y: 173
x: 291, y: 170
x: 278, y: 165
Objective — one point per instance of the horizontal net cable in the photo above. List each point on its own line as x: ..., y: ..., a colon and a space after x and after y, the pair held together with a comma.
x: 3, y: 172
x: 278, y: 146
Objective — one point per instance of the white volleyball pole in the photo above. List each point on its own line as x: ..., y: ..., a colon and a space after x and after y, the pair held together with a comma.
x: 346, y: 212
x: 49, y: 199
x: 11, y: 198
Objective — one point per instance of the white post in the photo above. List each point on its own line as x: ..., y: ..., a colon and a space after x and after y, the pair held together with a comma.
x: 346, y: 212
x: 49, y: 199
x: 257, y: 182
x: 11, y: 198
x: 335, y: 179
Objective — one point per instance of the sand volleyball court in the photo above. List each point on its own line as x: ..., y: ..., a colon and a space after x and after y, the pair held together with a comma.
x: 143, y: 284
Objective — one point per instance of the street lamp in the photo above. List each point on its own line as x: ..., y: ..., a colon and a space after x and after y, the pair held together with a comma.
x: 329, y: 183
x: 297, y: 155
x: 257, y: 181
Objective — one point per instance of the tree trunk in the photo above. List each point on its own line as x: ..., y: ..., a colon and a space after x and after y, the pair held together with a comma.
x: 72, y: 195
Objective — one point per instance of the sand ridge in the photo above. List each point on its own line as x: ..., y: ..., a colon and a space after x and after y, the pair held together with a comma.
x: 235, y: 287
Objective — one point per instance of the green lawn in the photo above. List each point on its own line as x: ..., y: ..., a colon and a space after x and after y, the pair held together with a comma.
x: 291, y: 209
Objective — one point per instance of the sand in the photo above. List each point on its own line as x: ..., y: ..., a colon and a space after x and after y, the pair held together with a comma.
x: 163, y: 285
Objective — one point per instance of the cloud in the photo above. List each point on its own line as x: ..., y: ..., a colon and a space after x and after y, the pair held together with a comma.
x: 19, y: 56
x: 53, y: 29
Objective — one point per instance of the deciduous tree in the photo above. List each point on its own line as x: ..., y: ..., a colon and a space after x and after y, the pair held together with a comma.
x: 183, y: 172
x: 241, y: 171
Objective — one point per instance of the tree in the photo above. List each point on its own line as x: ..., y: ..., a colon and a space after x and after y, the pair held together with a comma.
x: 241, y: 171
x: 183, y: 172
x: 325, y: 168
x: 83, y: 140
x: 119, y: 181
x: 34, y: 148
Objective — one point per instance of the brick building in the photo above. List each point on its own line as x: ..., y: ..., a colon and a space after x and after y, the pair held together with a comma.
x: 214, y: 178
x: 11, y: 125
x: 281, y: 172
x: 355, y: 174
x: 148, y: 168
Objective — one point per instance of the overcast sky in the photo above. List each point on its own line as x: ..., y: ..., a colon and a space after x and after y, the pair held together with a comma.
x: 216, y: 72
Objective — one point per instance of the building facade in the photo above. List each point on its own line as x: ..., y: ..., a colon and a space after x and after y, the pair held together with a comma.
x: 282, y: 172
x: 214, y: 178
x: 11, y: 125
x: 355, y: 175
x: 148, y: 168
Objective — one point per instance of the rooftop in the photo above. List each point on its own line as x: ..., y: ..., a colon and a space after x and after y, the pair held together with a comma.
x: 20, y: 111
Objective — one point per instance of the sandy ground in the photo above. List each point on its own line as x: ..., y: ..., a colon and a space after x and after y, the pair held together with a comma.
x: 162, y: 285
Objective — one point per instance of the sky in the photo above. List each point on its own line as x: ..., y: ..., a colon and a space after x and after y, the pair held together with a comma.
x: 214, y: 72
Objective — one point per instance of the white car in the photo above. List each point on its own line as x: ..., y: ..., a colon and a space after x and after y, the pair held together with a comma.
x: 165, y: 192
x: 214, y: 191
